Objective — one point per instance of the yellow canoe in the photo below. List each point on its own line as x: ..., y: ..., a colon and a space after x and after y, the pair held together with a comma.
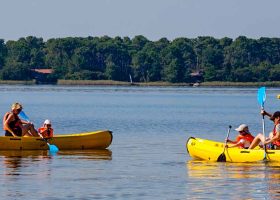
x: 202, y: 149
x: 91, y: 140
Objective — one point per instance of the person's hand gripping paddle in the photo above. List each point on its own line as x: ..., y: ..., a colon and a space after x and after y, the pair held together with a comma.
x: 52, y: 147
x: 222, y: 157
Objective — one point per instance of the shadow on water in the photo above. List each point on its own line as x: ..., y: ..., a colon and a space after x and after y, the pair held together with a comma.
x: 243, y: 178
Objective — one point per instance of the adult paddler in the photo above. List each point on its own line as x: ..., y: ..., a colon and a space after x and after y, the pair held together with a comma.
x: 16, y: 127
x: 274, y: 136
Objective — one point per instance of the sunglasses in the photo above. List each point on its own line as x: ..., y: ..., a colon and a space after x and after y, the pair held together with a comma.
x: 19, y: 110
x: 244, y: 131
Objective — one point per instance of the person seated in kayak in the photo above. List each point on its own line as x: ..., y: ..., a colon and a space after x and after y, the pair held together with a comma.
x: 274, y: 136
x: 244, y: 138
x: 14, y: 126
x: 46, y: 130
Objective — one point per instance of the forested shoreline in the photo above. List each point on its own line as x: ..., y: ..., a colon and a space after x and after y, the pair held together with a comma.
x: 141, y: 60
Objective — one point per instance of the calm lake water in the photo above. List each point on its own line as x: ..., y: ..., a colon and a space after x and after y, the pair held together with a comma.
x: 148, y: 158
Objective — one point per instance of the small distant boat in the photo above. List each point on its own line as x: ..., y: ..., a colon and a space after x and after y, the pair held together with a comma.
x: 196, y: 84
x: 90, y: 140
x: 201, y: 149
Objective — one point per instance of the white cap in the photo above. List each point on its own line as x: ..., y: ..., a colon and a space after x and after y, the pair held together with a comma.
x: 241, y: 127
x: 47, y: 121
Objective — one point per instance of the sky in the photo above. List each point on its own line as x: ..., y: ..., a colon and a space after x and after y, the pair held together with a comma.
x: 153, y: 19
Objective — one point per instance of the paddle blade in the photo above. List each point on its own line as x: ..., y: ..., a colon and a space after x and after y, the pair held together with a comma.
x: 261, y: 96
x: 53, y: 148
x: 23, y: 116
x: 222, y: 158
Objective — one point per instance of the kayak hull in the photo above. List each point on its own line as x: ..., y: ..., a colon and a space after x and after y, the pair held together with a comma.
x: 90, y: 140
x: 209, y: 150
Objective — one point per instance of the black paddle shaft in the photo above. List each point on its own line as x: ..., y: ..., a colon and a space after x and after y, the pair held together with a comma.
x: 222, y: 157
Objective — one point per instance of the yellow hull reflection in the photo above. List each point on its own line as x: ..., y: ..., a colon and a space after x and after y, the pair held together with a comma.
x: 213, y: 170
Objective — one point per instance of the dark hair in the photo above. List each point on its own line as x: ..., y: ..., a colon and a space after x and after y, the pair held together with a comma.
x: 276, y: 114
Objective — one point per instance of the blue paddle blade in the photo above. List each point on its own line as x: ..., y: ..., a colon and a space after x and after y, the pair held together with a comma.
x: 261, y: 96
x: 23, y: 116
x: 53, y: 148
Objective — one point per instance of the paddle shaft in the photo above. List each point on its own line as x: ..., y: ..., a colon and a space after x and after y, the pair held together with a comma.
x: 229, y: 127
x: 261, y: 99
x: 51, y: 146
x: 44, y: 139
x: 263, y: 129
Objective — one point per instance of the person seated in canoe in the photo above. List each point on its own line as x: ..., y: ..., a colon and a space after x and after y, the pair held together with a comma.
x: 244, y: 138
x: 46, y: 130
x: 14, y: 126
x: 274, y: 136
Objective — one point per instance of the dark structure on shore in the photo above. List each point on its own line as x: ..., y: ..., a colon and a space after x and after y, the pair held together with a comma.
x: 43, y: 76
x: 197, y: 77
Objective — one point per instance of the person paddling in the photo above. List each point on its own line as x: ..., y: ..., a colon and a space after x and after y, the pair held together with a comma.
x: 244, y: 138
x: 46, y: 130
x: 274, y: 136
x: 14, y: 126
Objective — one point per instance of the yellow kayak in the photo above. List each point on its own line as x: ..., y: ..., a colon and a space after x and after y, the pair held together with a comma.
x: 202, y: 149
x: 91, y: 140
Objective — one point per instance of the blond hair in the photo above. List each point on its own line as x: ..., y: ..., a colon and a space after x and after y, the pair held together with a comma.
x: 16, y: 106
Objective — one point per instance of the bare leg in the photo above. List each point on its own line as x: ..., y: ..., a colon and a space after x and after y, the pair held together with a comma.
x: 271, y: 135
x: 28, y: 130
x: 259, y: 138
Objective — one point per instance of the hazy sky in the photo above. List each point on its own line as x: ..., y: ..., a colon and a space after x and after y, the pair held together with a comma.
x: 152, y: 18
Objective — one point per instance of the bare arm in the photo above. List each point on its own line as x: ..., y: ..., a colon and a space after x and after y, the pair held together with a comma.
x: 43, y: 132
x: 263, y: 112
x: 274, y: 137
x: 235, y: 145
x: 6, y: 124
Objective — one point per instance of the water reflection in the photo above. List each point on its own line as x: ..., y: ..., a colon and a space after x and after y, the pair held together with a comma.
x: 15, y: 163
x: 94, y: 154
x: 234, y: 179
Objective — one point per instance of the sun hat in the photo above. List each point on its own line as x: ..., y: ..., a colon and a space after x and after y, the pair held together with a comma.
x: 241, y: 127
x: 276, y: 114
x: 16, y: 106
x: 47, y: 121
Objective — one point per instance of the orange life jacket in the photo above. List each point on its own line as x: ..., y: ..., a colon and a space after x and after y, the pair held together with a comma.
x: 248, y: 137
x: 45, y: 133
x: 277, y: 142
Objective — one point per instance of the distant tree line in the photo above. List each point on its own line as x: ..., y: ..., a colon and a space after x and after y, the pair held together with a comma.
x: 106, y: 58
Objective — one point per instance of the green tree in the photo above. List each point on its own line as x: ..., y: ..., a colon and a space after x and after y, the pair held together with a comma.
x: 180, y: 53
x: 274, y: 74
x: 3, y: 53
x: 15, y: 71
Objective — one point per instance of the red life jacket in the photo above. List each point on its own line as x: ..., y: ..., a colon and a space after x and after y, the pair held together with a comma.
x: 46, y: 133
x: 277, y: 142
x: 248, y: 137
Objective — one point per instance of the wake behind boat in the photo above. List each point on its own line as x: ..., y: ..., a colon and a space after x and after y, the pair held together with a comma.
x: 210, y: 150
x: 90, y: 140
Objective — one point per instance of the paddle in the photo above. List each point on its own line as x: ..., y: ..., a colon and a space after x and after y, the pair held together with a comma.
x: 222, y: 157
x: 52, y: 147
x: 261, y: 100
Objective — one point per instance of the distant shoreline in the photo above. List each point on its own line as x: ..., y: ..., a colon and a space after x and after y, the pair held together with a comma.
x: 160, y: 84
